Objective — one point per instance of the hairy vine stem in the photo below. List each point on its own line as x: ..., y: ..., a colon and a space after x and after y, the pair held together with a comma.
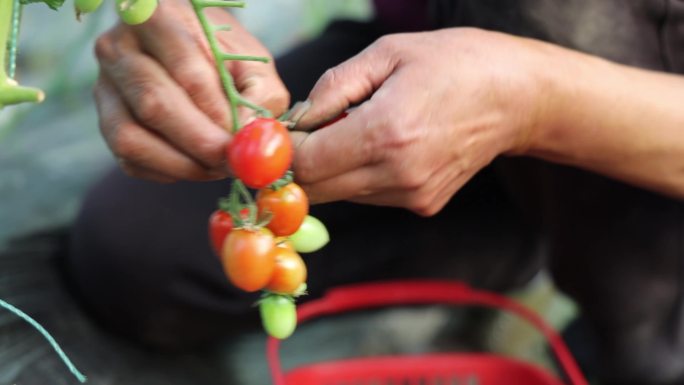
x: 234, y: 98
x: 14, y: 37
x: 10, y: 91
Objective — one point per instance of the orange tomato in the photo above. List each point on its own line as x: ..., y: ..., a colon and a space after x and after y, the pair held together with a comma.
x: 248, y: 258
x: 289, y: 273
x: 288, y: 206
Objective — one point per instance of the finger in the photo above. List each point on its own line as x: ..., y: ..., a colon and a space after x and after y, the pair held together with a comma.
x: 159, y: 104
x: 256, y: 81
x: 138, y: 147
x: 364, y: 181
x: 171, y: 43
x: 426, y: 200
x: 349, y: 83
x: 260, y: 84
x: 143, y: 173
x: 297, y: 138
x: 337, y: 149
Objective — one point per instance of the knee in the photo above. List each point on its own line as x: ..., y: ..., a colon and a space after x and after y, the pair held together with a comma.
x: 146, y: 274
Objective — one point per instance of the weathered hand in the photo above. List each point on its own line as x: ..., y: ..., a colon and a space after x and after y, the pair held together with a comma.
x: 162, y: 108
x: 437, y: 107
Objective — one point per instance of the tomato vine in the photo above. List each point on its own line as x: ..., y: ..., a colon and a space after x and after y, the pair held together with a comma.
x: 260, y: 155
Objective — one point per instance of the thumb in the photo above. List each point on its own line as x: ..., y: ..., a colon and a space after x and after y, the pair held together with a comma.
x: 347, y: 84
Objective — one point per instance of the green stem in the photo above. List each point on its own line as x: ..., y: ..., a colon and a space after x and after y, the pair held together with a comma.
x: 5, y: 22
x: 14, y: 37
x: 219, y: 3
x: 234, y: 98
x: 14, y: 94
x: 10, y: 92
x: 251, y: 206
x: 232, y: 56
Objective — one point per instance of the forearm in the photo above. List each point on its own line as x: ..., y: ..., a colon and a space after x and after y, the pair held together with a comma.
x: 622, y: 122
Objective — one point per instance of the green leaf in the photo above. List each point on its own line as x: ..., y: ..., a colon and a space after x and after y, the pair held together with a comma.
x: 54, y: 4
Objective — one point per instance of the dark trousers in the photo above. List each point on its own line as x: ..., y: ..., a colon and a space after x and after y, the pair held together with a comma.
x: 141, y: 261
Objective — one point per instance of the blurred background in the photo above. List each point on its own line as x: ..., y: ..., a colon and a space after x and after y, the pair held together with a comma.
x: 52, y: 152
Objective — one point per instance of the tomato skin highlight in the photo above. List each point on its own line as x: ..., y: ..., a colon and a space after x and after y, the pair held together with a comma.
x: 248, y: 258
x: 311, y: 236
x: 289, y: 272
x: 260, y: 153
x: 278, y: 316
x: 288, y: 206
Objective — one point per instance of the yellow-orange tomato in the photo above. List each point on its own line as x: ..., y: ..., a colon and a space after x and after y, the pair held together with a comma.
x: 289, y: 273
x: 249, y: 258
x: 288, y: 206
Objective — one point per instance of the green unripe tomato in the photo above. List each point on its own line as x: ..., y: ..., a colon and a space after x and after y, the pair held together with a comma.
x: 311, y: 236
x: 86, y: 6
x: 278, y: 315
x: 135, y: 11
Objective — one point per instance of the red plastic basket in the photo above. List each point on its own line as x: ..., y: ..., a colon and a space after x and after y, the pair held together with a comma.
x: 428, y: 369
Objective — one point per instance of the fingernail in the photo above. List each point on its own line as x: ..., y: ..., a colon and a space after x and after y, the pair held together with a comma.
x: 292, y: 117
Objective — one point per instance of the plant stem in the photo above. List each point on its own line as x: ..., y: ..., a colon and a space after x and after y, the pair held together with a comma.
x: 5, y: 20
x: 10, y: 92
x: 234, y: 98
x: 13, y: 39
x: 14, y: 94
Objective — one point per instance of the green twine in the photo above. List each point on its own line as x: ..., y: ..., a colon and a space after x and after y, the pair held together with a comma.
x: 48, y: 337
x: 14, y: 37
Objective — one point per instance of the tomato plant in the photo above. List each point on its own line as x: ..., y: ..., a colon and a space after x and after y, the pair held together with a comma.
x: 248, y: 258
x: 135, y: 12
x: 311, y: 236
x: 287, y: 206
x: 260, y: 152
x: 278, y: 315
x: 289, y: 272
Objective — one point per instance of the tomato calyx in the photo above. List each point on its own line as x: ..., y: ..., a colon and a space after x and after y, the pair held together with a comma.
x: 283, y: 181
x: 266, y: 294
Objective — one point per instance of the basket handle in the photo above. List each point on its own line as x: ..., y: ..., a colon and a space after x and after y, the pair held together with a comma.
x: 381, y: 294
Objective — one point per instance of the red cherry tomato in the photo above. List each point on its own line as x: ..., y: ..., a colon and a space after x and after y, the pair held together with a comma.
x: 248, y: 258
x: 220, y: 225
x: 288, y: 206
x: 260, y: 152
x: 289, y: 273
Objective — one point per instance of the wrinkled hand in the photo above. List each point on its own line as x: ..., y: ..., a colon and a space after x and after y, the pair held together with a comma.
x: 163, y: 111
x: 437, y: 107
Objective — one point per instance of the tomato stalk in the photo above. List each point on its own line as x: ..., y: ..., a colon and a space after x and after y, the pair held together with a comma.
x: 14, y: 37
x: 10, y: 91
x: 234, y: 98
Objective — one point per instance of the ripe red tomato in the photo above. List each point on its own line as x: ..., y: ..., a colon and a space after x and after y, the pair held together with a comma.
x: 288, y: 206
x: 289, y: 273
x: 260, y: 152
x: 220, y: 224
x: 248, y: 258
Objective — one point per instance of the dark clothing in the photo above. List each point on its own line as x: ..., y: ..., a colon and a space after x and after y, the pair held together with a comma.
x: 141, y: 249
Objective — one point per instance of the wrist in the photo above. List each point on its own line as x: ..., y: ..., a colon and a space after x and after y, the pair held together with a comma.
x: 566, y: 82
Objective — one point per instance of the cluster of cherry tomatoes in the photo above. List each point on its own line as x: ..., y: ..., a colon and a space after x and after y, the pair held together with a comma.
x: 259, y: 240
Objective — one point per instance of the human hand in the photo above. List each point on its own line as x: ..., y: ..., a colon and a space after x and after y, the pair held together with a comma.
x: 162, y: 108
x: 437, y: 107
